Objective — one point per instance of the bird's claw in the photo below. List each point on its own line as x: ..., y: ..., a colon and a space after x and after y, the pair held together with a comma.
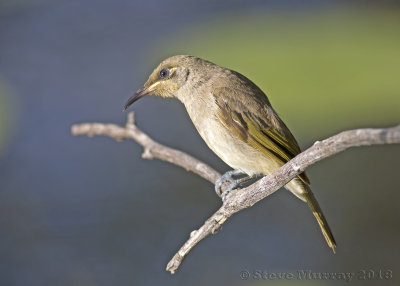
x: 229, y: 188
x: 233, y: 183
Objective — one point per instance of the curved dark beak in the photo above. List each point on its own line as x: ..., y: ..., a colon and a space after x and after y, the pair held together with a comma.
x: 140, y: 93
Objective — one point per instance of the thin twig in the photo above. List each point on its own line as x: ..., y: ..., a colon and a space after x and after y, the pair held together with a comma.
x: 246, y: 197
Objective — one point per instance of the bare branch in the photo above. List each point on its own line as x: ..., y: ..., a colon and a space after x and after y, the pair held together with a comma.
x: 246, y: 197
x: 152, y: 149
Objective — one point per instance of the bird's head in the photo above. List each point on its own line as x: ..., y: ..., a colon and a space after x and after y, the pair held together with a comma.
x: 166, y: 79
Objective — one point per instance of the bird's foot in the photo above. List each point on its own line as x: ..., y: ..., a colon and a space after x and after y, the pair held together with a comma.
x: 228, y: 178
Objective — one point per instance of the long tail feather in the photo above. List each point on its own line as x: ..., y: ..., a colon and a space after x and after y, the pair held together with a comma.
x: 323, y: 224
x: 303, y: 192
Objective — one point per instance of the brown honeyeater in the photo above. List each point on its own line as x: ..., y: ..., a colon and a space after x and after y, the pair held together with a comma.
x: 235, y: 119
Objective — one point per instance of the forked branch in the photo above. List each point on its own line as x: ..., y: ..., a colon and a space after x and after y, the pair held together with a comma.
x: 246, y: 197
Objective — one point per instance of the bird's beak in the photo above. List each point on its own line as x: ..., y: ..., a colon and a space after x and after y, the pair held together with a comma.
x: 140, y: 93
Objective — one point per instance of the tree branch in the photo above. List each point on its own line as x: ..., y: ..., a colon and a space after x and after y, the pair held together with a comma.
x: 152, y: 149
x: 246, y: 197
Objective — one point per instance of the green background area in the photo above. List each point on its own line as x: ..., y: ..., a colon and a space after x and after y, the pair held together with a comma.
x: 5, y: 117
x: 323, y: 72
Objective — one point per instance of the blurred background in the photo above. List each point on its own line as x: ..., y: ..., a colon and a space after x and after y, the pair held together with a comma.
x: 81, y: 211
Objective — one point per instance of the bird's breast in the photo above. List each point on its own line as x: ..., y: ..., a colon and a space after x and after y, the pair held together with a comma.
x: 231, y: 149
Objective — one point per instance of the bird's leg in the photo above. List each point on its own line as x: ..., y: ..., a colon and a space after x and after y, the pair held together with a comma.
x: 226, y: 178
x: 233, y: 183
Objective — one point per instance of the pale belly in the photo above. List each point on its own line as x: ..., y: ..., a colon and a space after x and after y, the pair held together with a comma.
x: 236, y: 153
x: 241, y: 156
x: 233, y: 151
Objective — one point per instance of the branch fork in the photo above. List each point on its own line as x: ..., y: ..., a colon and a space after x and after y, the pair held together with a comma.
x: 245, y: 197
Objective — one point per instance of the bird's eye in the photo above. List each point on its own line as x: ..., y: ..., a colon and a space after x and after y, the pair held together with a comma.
x: 164, y: 73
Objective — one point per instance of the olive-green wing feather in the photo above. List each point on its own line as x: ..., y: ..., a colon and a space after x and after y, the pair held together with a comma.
x: 254, y: 121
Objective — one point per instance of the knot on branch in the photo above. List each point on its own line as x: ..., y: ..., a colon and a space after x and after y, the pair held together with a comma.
x: 147, y: 154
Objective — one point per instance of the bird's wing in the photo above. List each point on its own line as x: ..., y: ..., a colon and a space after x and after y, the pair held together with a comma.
x: 257, y: 124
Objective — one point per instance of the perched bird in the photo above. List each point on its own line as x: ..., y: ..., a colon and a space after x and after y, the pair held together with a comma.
x: 235, y: 119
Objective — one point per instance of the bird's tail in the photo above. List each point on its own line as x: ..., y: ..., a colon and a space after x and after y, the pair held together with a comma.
x: 323, y: 224
x: 307, y: 196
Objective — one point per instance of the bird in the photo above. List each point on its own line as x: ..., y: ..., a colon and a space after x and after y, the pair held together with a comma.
x: 236, y: 120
